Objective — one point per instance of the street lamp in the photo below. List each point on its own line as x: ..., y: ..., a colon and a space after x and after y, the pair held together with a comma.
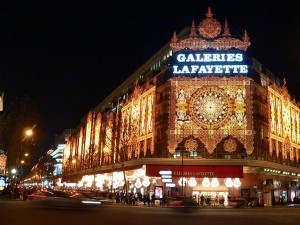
x: 13, y: 172
x: 181, y: 149
x: 27, y: 134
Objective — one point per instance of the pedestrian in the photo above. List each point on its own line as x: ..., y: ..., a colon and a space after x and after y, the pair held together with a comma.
x: 16, y: 193
x: 222, y: 200
x: 24, y: 193
x: 153, y: 199
x: 118, y: 197
x: 273, y: 200
x: 145, y: 199
x: 202, y: 200
x: 281, y: 199
x: 164, y: 199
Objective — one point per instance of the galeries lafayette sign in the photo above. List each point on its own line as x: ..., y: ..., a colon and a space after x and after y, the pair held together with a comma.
x: 222, y: 171
x: 195, y: 63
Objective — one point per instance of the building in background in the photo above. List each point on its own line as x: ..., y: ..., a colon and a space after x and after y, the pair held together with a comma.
x: 3, y: 159
x: 1, y: 100
x: 36, y: 178
x: 3, y: 156
x: 60, y: 143
x: 199, y: 117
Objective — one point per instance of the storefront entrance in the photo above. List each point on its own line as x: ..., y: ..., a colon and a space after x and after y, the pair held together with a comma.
x: 211, y: 196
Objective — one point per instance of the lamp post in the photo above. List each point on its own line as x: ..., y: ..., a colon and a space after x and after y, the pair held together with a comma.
x: 181, y: 148
x: 13, y: 172
x: 27, y: 134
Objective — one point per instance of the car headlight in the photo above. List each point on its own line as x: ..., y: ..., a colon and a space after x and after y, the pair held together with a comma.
x: 91, y: 202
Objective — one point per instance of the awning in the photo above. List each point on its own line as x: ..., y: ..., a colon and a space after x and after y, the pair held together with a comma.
x: 220, y: 171
x: 200, y: 187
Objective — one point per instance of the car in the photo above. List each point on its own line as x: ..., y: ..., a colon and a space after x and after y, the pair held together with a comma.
x: 60, y: 198
x: 104, y: 198
x: 182, y: 202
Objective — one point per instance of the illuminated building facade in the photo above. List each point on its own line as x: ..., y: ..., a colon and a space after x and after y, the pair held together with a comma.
x: 198, y: 117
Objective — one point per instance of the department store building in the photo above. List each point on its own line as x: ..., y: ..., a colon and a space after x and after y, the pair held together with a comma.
x: 199, y: 117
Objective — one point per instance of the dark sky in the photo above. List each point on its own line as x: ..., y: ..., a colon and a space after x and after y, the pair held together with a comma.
x: 69, y: 56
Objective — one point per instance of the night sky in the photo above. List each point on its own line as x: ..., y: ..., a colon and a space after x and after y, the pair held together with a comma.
x: 69, y: 56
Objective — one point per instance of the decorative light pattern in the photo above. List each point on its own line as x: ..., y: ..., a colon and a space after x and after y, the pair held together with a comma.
x: 284, y: 122
x: 88, y: 131
x: 210, y: 108
x: 138, y: 173
x: 3, y: 158
x: 109, y: 137
x: 209, y: 28
x: 80, y: 142
x: 146, y: 182
x: 143, y: 117
x: 181, y: 181
x: 192, y: 182
x: 137, y: 127
x: 67, y: 152
x: 230, y: 145
x: 97, y: 132
x: 191, y: 145
x: 228, y: 182
x: 279, y: 119
x: 149, y: 114
x: 215, y: 182
x: 120, y: 183
x: 236, y: 182
x: 205, y: 182
x: 138, y: 183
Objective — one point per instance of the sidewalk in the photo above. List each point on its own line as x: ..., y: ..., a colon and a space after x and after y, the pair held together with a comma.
x: 6, y: 198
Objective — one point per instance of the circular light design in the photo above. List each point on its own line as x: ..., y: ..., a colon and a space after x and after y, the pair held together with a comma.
x: 180, y: 181
x: 146, y: 182
x: 205, y: 182
x: 228, y: 182
x: 138, y: 183
x: 192, y: 182
x: 210, y: 108
x: 215, y: 182
x: 236, y: 182
x: 120, y: 183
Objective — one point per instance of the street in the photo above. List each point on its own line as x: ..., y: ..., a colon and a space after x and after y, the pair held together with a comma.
x: 25, y: 213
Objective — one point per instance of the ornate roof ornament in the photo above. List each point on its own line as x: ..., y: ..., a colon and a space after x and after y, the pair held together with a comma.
x: 209, y: 27
x: 226, y: 32
x: 209, y: 36
x: 193, y: 30
x: 174, y: 38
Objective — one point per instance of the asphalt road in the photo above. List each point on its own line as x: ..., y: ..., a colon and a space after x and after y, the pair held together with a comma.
x: 26, y: 213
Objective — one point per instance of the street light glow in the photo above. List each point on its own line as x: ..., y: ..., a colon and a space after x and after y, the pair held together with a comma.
x: 28, y: 132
